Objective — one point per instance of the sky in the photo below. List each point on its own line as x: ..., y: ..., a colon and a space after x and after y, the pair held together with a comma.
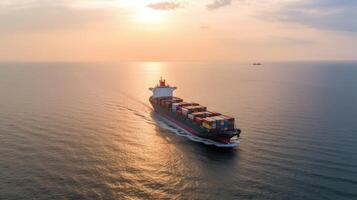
x: 177, y: 30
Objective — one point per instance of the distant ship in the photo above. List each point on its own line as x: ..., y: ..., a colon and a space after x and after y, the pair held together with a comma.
x: 194, y: 118
x: 257, y: 63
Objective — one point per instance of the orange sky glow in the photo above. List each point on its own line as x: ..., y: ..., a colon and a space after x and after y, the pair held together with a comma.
x: 159, y: 30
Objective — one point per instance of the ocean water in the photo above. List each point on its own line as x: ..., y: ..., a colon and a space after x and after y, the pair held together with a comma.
x: 87, y: 131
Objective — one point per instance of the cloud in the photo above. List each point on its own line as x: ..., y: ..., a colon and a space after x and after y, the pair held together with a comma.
x: 204, y: 27
x: 290, y: 41
x: 47, y: 15
x: 218, y: 4
x: 338, y: 15
x: 164, y: 5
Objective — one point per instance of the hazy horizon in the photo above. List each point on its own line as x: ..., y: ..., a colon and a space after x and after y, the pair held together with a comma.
x: 161, y: 30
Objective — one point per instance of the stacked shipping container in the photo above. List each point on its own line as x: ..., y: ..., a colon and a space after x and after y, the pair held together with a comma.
x: 191, y: 109
x: 196, y: 113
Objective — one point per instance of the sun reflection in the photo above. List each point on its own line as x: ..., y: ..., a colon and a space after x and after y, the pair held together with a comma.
x: 153, y: 66
x: 153, y: 71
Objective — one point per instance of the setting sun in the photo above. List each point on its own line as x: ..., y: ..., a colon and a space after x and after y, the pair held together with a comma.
x: 148, y: 16
x: 141, y: 13
x: 135, y: 3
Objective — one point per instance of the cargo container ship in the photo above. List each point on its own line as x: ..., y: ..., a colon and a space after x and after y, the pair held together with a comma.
x: 194, y: 118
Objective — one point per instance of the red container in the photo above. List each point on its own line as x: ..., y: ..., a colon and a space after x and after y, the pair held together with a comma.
x: 228, y: 118
x: 199, y: 114
x: 167, y: 102
x: 198, y: 120
x: 213, y: 114
x: 192, y: 109
x: 184, y: 104
x: 176, y: 99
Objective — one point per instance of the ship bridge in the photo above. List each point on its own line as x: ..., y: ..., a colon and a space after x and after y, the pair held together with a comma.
x: 162, y: 90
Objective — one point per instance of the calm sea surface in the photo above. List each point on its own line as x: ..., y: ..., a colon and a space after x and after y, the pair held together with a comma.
x: 86, y: 131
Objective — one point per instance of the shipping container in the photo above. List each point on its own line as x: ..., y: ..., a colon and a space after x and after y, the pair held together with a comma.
x: 206, y: 125
x: 228, y: 118
x: 192, y: 109
x: 205, y: 114
x: 174, y: 99
x: 229, y: 122
x: 184, y: 111
x: 178, y: 104
x: 199, y: 114
x: 167, y: 103
x: 209, y: 123
x: 182, y: 104
x: 215, y: 114
x: 198, y: 120
x: 220, y: 123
